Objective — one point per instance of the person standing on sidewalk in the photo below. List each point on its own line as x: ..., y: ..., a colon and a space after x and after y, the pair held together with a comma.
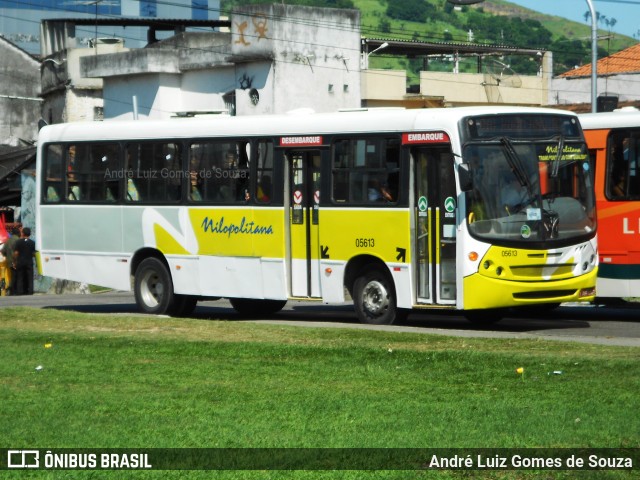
x: 24, y: 253
x: 7, y: 250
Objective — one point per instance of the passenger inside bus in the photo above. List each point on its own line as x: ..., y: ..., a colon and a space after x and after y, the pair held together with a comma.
x: 512, y: 194
x: 264, y: 189
x: 195, y: 195
x: 379, y: 192
x: 619, y: 184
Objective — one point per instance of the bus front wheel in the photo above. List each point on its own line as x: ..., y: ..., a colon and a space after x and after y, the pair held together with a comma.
x: 153, y: 287
x: 374, y: 298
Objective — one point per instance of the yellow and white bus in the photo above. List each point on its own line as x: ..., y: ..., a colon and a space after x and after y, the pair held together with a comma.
x: 395, y: 209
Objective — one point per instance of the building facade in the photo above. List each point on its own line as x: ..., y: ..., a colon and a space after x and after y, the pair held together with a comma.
x: 20, y: 19
x: 276, y: 58
x: 19, y: 95
x: 617, y: 82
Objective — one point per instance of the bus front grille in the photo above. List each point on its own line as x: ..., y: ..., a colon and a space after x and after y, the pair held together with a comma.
x: 549, y: 294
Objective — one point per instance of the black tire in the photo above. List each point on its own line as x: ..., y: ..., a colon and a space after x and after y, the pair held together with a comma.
x: 254, y: 307
x: 374, y: 298
x: 488, y: 316
x: 183, y: 305
x: 153, y: 287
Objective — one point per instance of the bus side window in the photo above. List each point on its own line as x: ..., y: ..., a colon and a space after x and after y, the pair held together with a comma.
x: 103, y: 178
x: 169, y: 185
x: 618, y: 166
x: 131, y: 167
x: 366, y: 171
x: 264, y: 170
x: 53, y: 174
x: 634, y: 170
x: 74, y: 173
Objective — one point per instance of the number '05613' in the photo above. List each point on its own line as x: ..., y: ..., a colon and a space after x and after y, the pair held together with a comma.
x: 365, y: 242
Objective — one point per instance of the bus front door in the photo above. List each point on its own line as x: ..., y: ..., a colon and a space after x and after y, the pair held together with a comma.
x: 435, y: 217
x: 304, y: 202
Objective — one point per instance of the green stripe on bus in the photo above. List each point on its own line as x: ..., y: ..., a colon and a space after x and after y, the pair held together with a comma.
x: 619, y: 272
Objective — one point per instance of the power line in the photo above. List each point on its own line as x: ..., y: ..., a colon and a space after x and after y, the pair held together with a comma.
x: 282, y: 61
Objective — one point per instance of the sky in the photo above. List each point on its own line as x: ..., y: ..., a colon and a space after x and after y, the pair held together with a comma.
x: 626, y: 12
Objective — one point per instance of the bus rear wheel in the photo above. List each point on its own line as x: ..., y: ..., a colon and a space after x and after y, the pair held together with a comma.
x: 254, y: 307
x: 374, y: 298
x: 153, y: 287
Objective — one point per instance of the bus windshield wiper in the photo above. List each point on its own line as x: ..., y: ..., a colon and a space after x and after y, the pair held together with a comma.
x: 556, y: 163
x: 514, y: 161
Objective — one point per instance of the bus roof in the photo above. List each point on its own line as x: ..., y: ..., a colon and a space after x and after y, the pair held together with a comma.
x: 295, y: 123
x: 622, y: 118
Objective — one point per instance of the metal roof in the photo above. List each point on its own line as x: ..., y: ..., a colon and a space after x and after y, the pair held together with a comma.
x: 158, y: 23
x: 413, y: 48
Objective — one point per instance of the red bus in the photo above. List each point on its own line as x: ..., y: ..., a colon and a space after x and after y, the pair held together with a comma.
x: 613, y: 139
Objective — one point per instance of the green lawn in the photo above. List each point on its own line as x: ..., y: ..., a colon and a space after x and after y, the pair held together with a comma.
x: 147, y: 382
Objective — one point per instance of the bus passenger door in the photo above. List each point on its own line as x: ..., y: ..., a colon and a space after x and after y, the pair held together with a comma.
x: 304, y: 202
x: 435, y: 217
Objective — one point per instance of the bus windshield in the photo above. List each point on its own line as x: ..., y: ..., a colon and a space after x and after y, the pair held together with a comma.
x: 530, y: 191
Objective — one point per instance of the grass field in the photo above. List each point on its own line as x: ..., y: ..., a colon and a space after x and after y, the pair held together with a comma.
x: 71, y: 380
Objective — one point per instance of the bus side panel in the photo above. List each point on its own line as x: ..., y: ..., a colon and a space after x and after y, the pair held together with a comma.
x: 76, y: 245
x: 234, y: 244
x: 93, y: 229
x: 619, y: 249
x: 383, y: 233
x: 242, y: 277
x: 52, y: 225
x: 215, y: 251
x: 618, y: 230
x: 51, y: 241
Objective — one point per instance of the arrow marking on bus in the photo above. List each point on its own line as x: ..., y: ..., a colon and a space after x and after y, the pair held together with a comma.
x: 402, y: 254
x: 324, y: 252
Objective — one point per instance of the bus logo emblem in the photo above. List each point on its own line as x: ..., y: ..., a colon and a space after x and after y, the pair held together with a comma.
x: 297, y: 197
x: 525, y: 231
x: 450, y: 204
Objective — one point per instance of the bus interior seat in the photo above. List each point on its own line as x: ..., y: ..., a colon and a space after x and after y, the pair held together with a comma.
x: 132, y: 191
x: 74, y: 193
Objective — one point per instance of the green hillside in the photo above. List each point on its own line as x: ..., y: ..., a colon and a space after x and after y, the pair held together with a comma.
x: 497, y: 22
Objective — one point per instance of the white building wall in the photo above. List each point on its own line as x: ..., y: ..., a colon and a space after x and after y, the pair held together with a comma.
x: 203, y: 90
x: 282, y: 58
x: 251, y: 79
x: 82, y: 105
x: 158, y: 96
x: 315, y: 55
x: 474, y: 89
x: 578, y: 90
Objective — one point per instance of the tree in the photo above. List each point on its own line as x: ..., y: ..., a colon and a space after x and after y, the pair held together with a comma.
x: 412, y: 10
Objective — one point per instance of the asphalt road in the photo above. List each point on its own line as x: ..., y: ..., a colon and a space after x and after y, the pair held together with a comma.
x: 596, y: 324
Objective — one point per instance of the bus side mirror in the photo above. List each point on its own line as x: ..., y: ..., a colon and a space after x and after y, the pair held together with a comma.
x: 465, y: 178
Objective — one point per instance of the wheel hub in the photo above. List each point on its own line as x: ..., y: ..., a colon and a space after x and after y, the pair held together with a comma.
x: 375, y: 298
x: 152, y: 289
